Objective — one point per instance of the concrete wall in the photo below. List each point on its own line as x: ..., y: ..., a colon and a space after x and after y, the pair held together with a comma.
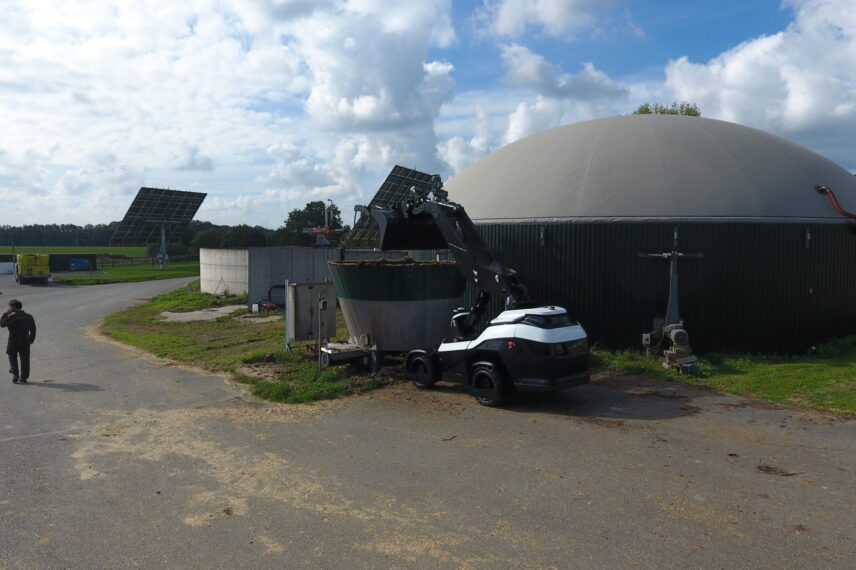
x: 273, y: 265
x: 223, y: 270
x: 253, y: 271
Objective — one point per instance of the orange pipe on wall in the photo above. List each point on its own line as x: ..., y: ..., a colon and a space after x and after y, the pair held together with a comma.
x: 835, y: 204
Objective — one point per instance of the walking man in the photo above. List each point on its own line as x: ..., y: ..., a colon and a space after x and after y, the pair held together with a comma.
x: 22, y: 333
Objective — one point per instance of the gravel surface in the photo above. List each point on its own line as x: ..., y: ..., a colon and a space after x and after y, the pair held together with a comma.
x: 114, y: 459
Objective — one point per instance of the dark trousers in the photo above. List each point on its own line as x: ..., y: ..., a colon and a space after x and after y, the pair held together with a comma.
x: 24, y: 352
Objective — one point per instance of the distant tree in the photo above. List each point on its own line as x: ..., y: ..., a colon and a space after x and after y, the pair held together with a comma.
x: 244, y: 236
x: 212, y: 238
x: 311, y: 216
x: 58, y: 234
x: 196, y: 226
x: 682, y: 108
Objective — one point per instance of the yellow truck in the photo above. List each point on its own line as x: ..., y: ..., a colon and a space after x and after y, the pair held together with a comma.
x: 32, y: 267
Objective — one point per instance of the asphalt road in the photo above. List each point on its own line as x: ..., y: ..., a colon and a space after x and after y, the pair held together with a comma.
x: 112, y: 459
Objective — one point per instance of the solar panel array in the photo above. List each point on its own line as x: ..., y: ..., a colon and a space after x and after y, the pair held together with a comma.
x: 394, y: 189
x: 153, y: 208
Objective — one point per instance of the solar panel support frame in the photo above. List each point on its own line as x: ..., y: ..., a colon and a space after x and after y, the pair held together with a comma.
x: 157, y: 211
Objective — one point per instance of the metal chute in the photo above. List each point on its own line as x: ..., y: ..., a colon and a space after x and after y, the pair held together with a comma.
x: 407, y: 231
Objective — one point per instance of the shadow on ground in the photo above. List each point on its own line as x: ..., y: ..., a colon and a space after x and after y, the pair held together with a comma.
x: 67, y: 387
x: 610, y: 398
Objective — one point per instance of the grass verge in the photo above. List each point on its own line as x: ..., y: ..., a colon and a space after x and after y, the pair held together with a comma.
x: 824, y: 382
x: 236, y: 344
x: 301, y: 383
x: 129, y: 274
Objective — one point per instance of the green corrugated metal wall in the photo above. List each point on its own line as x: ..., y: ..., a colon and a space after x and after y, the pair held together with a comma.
x: 761, y: 287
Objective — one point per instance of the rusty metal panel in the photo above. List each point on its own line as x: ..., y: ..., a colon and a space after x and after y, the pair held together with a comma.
x: 304, y: 318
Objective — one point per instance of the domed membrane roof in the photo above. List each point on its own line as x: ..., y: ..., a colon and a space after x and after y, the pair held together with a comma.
x: 652, y: 167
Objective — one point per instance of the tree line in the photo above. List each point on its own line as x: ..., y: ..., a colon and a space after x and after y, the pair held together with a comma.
x: 198, y: 234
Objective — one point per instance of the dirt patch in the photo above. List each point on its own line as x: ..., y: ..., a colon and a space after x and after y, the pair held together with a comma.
x: 750, y: 437
x: 773, y: 470
x: 232, y: 478
x: 252, y: 319
x: 754, y: 404
x: 607, y: 423
x: 269, y: 371
x: 637, y: 385
x: 211, y: 314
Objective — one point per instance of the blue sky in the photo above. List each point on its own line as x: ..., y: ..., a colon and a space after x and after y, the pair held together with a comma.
x: 639, y: 37
x: 269, y: 104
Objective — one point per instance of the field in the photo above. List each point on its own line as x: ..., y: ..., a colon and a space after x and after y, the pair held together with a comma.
x: 128, y: 251
x: 126, y: 273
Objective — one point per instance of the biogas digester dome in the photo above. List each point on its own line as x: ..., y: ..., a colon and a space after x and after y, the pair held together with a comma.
x: 572, y: 209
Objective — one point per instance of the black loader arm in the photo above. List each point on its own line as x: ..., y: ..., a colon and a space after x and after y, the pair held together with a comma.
x: 423, y: 222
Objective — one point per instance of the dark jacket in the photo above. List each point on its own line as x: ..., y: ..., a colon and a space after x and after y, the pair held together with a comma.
x: 22, y: 329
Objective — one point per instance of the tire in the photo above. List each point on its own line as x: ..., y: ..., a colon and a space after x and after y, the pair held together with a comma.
x: 422, y: 371
x: 488, y: 385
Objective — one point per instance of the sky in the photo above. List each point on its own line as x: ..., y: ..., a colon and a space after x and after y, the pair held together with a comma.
x: 269, y: 104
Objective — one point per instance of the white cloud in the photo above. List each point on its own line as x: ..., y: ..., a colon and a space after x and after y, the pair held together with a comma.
x: 149, y: 83
x: 170, y: 90
x: 555, y: 97
x: 367, y: 66
x: 800, y: 82
x: 372, y: 96
x: 530, y: 118
x: 459, y: 152
x: 90, y: 192
x: 296, y: 171
x: 542, y: 96
x: 190, y: 159
x: 530, y: 70
x: 511, y: 18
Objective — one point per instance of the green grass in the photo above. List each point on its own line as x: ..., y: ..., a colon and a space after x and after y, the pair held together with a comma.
x: 302, y: 384
x: 225, y: 344
x: 129, y: 273
x: 105, y: 249
x: 825, y: 382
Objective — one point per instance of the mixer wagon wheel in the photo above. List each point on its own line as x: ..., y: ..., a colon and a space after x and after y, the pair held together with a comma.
x: 488, y: 385
x: 421, y: 370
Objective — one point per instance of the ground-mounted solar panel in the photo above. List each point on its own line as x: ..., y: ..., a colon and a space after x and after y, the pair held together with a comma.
x: 153, y: 209
x: 394, y: 189
x: 157, y: 214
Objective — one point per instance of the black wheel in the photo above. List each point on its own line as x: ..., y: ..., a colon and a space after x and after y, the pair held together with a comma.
x: 421, y: 371
x: 487, y: 384
x: 325, y: 359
